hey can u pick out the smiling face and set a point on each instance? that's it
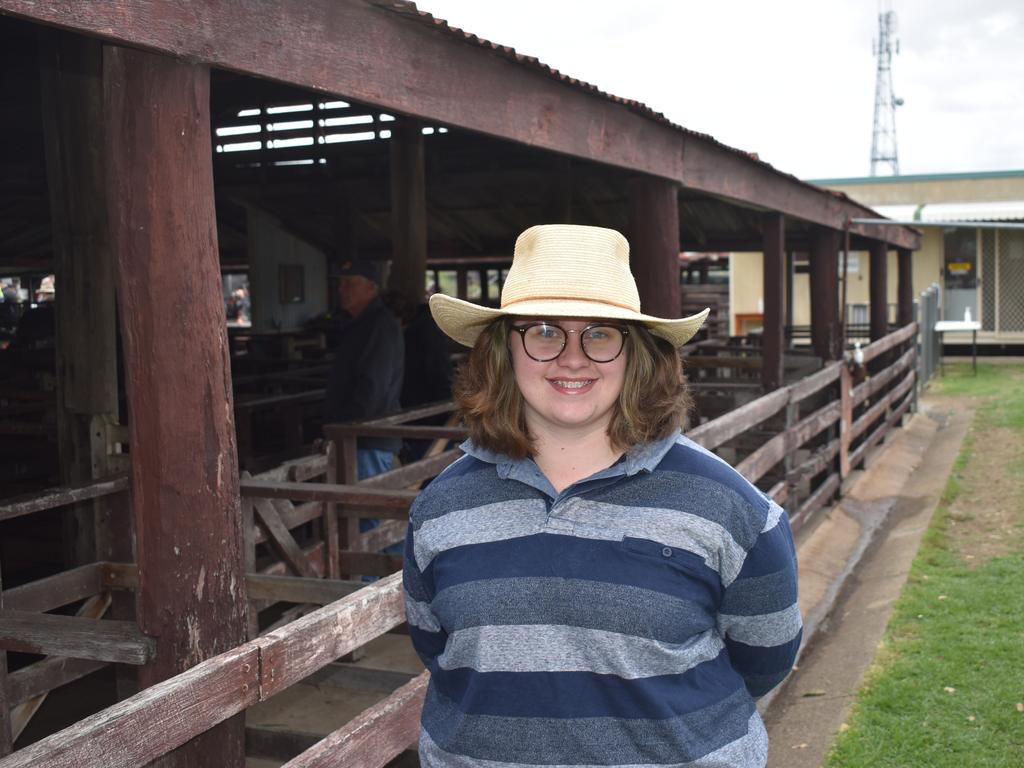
(571, 392)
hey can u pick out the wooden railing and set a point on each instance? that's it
(797, 443)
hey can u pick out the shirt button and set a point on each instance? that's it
(667, 551)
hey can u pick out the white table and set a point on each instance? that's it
(942, 326)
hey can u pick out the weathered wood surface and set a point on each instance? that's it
(772, 452)
(61, 496)
(714, 433)
(881, 379)
(384, 535)
(155, 721)
(823, 264)
(819, 498)
(191, 594)
(6, 735)
(293, 589)
(894, 339)
(414, 414)
(280, 538)
(878, 282)
(904, 390)
(408, 209)
(311, 642)
(654, 243)
(374, 737)
(808, 385)
(387, 56)
(904, 287)
(46, 674)
(332, 531)
(56, 591)
(414, 473)
(773, 228)
(818, 462)
(845, 419)
(872, 414)
(80, 638)
(387, 500)
(292, 515)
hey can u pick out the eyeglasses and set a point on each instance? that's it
(545, 341)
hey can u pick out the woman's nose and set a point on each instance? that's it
(572, 355)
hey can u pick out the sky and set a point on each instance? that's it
(792, 80)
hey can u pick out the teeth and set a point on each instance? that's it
(573, 384)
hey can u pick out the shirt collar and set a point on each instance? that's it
(639, 458)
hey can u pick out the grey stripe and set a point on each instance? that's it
(587, 740)
(682, 530)
(765, 630)
(749, 751)
(775, 513)
(554, 648)
(420, 615)
(490, 522)
(574, 602)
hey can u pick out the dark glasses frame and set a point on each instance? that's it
(522, 329)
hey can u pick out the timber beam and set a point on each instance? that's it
(75, 637)
(391, 56)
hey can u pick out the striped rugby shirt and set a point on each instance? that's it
(631, 619)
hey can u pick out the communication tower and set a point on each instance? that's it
(883, 137)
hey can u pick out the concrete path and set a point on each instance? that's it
(853, 566)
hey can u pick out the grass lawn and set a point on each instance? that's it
(947, 684)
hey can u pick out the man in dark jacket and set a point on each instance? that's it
(366, 377)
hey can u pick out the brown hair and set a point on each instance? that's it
(652, 404)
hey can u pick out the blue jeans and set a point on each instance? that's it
(374, 462)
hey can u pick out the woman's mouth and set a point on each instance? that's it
(572, 386)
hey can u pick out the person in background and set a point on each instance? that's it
(428, 366)
(586, 585)
(365, 379)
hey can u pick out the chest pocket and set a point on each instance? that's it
(676, 570)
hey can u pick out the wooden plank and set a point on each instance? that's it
(872, 414)
(725, 428)
(21, 715)
(314, 553)
(414, 473)
(6, 732)
(845, 419)
(56, 591)
(293, 516)
(156, 720)
(45, 675)
(771, 453)
(879, 381)
(280, 538)
(61, 496)
(184, 464)
(876, 436)
(814, 383)
(875, 348)
(384, 535)
(819, 498)
(291, 654)
(420, 412)
(332, 532)
(773, 228)
(80, 638)
(294, 589)
(375, 736)
(385, 499)
(818, 462)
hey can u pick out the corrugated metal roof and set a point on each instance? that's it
(409, 10)
(998, 210)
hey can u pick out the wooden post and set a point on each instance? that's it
(408, 210)
(845, 419)
(823, 260)
(6, 738)
(878, 290)
(191, 585)
(654, 244)
(905, 287)
(790, 279)
(71, 74)
(774, 235)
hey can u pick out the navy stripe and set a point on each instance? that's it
(585, 694)
(428, 645)
(471, 483)
(590, 741)
(690, 461)
(566, 602)
(760, 594)
(694, 495)
(759, 666)
(633, 562)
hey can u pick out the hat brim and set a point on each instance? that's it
(463, 321)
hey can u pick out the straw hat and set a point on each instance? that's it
(563, 270)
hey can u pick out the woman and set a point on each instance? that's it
(587, 586)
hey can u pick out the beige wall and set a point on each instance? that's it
(933, 191)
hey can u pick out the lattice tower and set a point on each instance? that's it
(883, 137)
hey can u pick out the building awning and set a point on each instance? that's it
(998, 210)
